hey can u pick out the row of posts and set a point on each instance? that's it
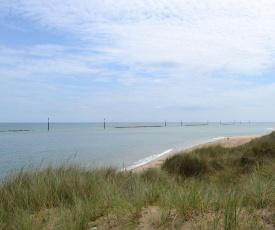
(180, 123)
(104, 124)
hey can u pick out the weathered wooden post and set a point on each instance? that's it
(104, 123)
(165, 122)
(48, 123)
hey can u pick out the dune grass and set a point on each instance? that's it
(209, 188)
(215, 160)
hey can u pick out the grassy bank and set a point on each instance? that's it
(209, 188)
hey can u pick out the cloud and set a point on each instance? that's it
(142, 54)
(229, 36)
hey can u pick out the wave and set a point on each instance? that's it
(147, 160)
(218, 138)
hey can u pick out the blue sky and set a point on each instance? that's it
(137, 60)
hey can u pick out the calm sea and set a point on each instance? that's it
(92, 145)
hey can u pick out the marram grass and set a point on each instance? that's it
(210, 188)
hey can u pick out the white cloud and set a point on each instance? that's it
(209, 35)
(184, 54)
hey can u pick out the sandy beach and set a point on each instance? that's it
(226, 142)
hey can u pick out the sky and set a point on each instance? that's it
(137, 60)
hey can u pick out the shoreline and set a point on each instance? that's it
(226, 142)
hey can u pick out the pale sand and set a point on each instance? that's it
(226, 142)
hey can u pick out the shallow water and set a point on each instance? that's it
(92, 145)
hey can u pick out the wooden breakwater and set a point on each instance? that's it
(138, 126)
(16, 130)
(195, 124)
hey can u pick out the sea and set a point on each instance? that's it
(121, 145)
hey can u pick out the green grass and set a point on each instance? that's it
(217, 160)
(209, 188)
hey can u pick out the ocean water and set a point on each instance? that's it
(91, 145)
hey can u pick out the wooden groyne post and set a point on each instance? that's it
(48, 123)
(104, 123)
(165, 123)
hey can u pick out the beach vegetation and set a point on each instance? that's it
(208, 188)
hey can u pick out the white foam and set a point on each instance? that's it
(147, 160)
(273, 129)
(218, 138)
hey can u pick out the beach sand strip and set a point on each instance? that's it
(227, 142)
